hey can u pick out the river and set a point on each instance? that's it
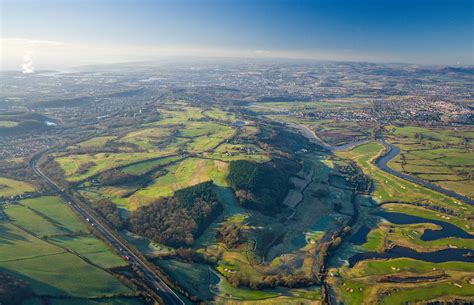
(441, 256)
(392, 153)
(382, 163)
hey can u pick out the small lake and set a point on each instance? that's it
(448, 230)
(447, 255)
(360, 237)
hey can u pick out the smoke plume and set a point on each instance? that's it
(27, 66)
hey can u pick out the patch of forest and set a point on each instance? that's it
(262, 186)
(12, 290)
(176, 221)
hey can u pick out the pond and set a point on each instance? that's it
(448, 230)
(441, 256)
(360, 237)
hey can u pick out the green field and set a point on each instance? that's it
(391, 188)
(91, 248)
(147, 166)
(220, 115)
(49, 269)
(57, 212)
(440, 155)
(178, 130)
(8, 124)
(188, 172)
(10, 187)
(45, 244)
(32, 221)
(391, 266)
(96, 142)
(355, 286)
(429, 292)
(101, 162)
(145, 246)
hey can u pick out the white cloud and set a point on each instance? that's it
(31, 42)
(49, 54)
(262, 52)
(27, 66)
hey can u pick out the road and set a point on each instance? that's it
(166, 293)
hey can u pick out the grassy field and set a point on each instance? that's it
(47, 268)
(145, 246)
(8, 124)
(228, 152)
(57, 212)
(184, 129)
(71, 164)
(442, 156)
(147, 166)
(429, 291)
(195, 278)
(220, 115)
(188, 172)
(32, 221)
(97, 142)
(398, 265)
(391, 188)
(356, 285)
(33, 247)
(91, 248)
(10, 187)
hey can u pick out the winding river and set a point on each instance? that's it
(441, 256)
(392, 153)
(448, 230)
(382, 163)
(312, 136)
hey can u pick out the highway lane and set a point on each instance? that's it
(166, 293)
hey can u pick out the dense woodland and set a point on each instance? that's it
(261, 186)
(286, 141)
(116, 177)
(176, 221)
(230, 234)
(109, 211)
(13, 291)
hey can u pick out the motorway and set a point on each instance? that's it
(166, 293)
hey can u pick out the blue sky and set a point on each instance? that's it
(418, 31)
